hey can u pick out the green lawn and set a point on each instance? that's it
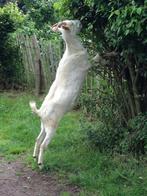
(69, 155)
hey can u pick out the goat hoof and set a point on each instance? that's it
(35, 158)
(40, 165)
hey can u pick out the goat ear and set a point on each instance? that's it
(54, 25)
(65, 27)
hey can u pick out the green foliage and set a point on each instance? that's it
(118, 26)
(41, 12)
(105, 129)
(112, 23)
(10, 70)
(14, 13)
(39, 16)
(126, 29)
(10, 19)
(136, 137)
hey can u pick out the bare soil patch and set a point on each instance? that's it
(18, 180)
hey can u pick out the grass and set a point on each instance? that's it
(68, 155)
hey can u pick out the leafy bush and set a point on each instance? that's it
(10, 68)
(136, 137)
(100, 136)
(117, 138)
(104, 126)
(115, 26)
(39, 16)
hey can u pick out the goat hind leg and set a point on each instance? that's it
(39, 140)
(49, 134)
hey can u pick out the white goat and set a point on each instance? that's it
(61, 97)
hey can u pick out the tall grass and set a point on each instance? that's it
(69, 155)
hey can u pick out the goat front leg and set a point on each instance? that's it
(39, 140)
(49, 134)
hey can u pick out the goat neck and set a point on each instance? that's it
(73, 43)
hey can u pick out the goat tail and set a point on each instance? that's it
(33, 107)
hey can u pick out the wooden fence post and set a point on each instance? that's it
(39, 79)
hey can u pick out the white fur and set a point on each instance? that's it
(61, 97)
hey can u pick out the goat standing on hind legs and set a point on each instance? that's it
(61, 97)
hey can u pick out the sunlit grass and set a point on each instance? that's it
(69, 156)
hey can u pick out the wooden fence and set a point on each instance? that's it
(40, 60)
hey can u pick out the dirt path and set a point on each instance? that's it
(18, 180)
